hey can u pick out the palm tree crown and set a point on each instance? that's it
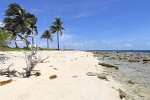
(47, 34)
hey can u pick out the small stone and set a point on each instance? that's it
(55, 68)
(102, 76)
(91, 74)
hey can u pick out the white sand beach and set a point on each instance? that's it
(72, 82)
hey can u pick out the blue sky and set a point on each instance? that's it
(92, 24)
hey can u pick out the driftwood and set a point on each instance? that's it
(8, 72)
(2, 59)
(42, 60)
(31, 61)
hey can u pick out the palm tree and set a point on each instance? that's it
(47, 34)
(18, 22)
(57, 28)
(32, 21)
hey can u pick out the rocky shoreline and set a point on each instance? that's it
(130, 69)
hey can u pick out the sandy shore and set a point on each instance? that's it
(72, 82)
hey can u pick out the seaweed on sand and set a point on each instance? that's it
(5, 82)
(53, 77)
(37, 74)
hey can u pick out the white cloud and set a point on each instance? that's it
(42, 44)
(90, 42)
(1, 24)
(78, 44)
(82, 45)
(66, 37)
(106, 42)
(81, 15)
(128, 45)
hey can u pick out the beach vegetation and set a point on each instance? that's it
(5, 38)
(47, 35)
(19, 22)
(57, 28)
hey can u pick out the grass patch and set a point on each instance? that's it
(24, 49)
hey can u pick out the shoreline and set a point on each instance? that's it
(71, 81)
(133, 71)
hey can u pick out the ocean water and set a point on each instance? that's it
(132, 67)
(121, 51)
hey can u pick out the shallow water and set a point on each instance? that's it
(132, 68)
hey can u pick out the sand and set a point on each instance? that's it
(70, 81)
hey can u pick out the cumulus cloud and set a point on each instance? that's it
(82, 45)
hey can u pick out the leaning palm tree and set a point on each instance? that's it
(17, 21)
(47, 34)
(57, 28)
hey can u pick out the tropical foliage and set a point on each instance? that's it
(56, 27)
(47, 34)
(21, 24)
(5, 38)
(18, 22)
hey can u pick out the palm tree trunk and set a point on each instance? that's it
(32, 37)
(58, 40)
(47, 44)
(27, 45)
(16, 42)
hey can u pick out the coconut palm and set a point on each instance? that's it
(57, 28)
(18, 22)
(47, 34)
(32, 21)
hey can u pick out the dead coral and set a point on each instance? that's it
(91, 74)
(102, 76)
(108, 65)
(122, 94)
